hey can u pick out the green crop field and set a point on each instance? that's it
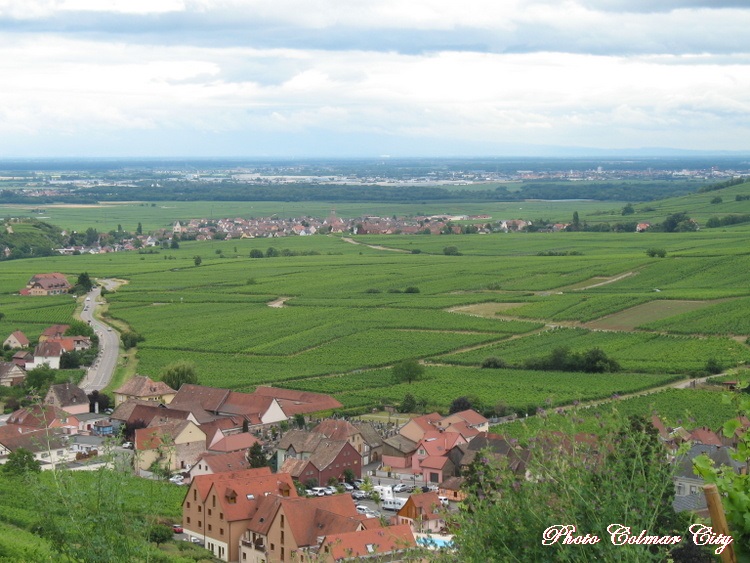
(350, 311)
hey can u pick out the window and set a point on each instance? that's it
(221, 516)
(210, 527)
(221, 531)
(282, 536)
(195, 494)
(209, 512)
(282, 553)
(200, 508)
(244, 555)
(214, 501)
(273, 547)
(282, 521)
(187, 519)
(200, 523)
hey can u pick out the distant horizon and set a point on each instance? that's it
(331, 79)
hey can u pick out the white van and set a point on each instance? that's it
(385, 492)
(396, 503)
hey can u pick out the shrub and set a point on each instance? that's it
(372, 290)
(411, 289)
(656, 252)
(451, 251)
(493, 362)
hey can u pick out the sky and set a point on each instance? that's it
(353, 78)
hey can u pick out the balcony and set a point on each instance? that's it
(257, 545)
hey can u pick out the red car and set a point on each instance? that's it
(177, 528)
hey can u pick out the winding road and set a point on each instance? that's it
(100, 373)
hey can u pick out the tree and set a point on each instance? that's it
(409, 404)
(21, 462)
(716, 200)
(408, 371)
(160, 533)
(460, 404)
(139, 229)
(576, 224)
(197, 260)
(175, 244)
(272, 252)
(97, 397)
(178, 373)
(131, 339)
(451, 251)
(256, 253)
(628, 209)
(84, 282)
(39, 379)
(299, 421)
(256, 457)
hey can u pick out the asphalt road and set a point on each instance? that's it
(100, 373)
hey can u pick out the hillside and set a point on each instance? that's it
(28, 238)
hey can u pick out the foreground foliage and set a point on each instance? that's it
(622, 477)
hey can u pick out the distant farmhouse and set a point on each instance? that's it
(47, 284)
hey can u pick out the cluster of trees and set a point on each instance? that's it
(274, 253)
(714, 222)
(594, 360)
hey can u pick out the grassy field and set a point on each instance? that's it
(347, 315)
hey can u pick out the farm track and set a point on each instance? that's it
(374, 246)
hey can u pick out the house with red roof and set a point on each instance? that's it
(17, 339)
(55, 331)
(144, 388)
(219, 507)
(329, 460)
(173, 445)
(415, 429)
(11, 374)
(211, 463)
(383, 544)
(292, 529)
(48, 353)
(423, 513)
(431, 458)
(70, 398)
(47, 284)
(465, 419)
(39, 416)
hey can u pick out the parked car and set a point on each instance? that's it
(196, 540)
(402, 488)
(128, 445)
(358, 483)
(177, 528)
(359, 495)
(444, 501)
(347, 486)
(362, 509)
(330, 490)
(319, 491)
(372, 514)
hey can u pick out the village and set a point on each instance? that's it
(275, 475)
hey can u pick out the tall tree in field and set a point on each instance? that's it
(139, 229)
(177, 373)
(408, 371)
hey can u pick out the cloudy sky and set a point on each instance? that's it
(371, 77)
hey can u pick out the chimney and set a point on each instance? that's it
(96, 407)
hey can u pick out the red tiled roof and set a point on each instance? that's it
(142, 386)
(368, 543)
(20, 337)
(234, 442)
(55, 330)
(426, 504)
(471, 417)
(48, 350)
(248, 487)
(37, 416)
(224, 462)
(298, 402)
(336, 429)
(433, 462)
(210, 398)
